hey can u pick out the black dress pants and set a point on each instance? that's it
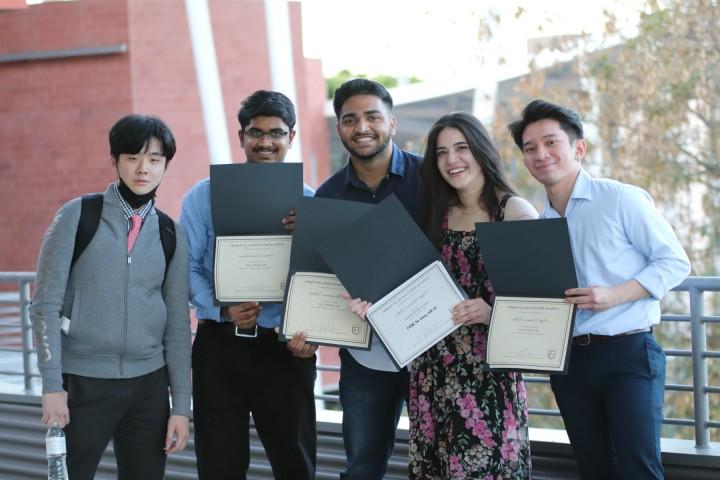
(236, 376)
(133, 412)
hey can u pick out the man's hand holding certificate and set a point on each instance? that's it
(252, 248)
(531, 324)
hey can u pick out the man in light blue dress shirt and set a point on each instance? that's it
(627, 258)
(236, 375)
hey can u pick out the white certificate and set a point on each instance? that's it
(251, 268)
(314, 305)
(416, 315)
(529, 334)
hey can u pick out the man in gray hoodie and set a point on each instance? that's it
(112, 328)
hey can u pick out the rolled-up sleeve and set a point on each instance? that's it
(667, 263)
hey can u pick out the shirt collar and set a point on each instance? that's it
(582, 190)
(398, 165)
(583, 186)
(127, 209)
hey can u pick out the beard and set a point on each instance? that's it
(368, 154)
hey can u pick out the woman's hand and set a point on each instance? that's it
(471, 311)
(358, 306)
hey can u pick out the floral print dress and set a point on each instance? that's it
(465, 421)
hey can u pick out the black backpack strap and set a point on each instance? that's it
(167, 236)
(90, 210)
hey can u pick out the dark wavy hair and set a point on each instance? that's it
(437, 195)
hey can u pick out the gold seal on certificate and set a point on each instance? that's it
(314, 305)
(416, 315)
(251, 268)
(529, 334)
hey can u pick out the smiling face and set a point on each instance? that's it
(549, 154)
(142, 171)
(266, 139)
(365, 126)
(456, 163)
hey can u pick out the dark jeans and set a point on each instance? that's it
(133, 412)
(235, 376)
(611, 401)
(372, 401)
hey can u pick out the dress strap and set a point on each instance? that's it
(501, 207)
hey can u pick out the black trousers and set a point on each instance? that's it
(133, 412)
(235, 376)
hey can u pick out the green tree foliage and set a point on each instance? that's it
(658, 116)
(651, 102)
(344, 75)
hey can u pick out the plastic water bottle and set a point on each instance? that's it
(56, 450)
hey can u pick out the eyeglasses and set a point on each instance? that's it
(275, 133)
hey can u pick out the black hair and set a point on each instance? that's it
(132, 133)
(537, 110)
(265, 103)
(360, 86)
(437, 196)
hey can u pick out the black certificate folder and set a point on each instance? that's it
(385, 258)
(313, 300)
(379, 251)
(253, 198)
(252, 247)
(530, 265)
(316, 220)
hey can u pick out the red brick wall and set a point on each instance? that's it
(12, 4)
(163, 83)
(55, 114)
(242, 55)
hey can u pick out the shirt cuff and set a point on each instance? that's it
(655, 286)
(208, 313)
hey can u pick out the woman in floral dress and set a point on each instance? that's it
(465, 421)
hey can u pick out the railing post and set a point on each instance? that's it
(26, 330)
(700, 373)
(318, 390)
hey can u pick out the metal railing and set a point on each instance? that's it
(696, 287)
(20, 298)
